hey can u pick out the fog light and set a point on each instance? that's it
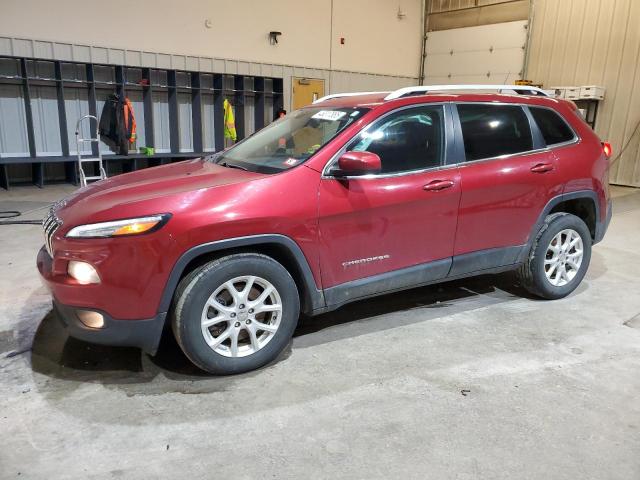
(83, 272)
(91, 319)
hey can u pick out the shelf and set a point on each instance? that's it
(105, 157)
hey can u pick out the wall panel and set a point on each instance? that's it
(161, 121)
(448, 14)
(595, 42)
(310, 33)
(184, 121)
(13, 123)
(345, 80)
(76, 106)
(46, 126)
(208, 123)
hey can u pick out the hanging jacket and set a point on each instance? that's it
(229, 121)
(129, 121)
(113, 131)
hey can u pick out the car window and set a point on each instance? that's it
(494, 130)
(411, 139)
(553, 128)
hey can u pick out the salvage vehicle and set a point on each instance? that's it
(354, 196)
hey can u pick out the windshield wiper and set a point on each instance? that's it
(231, 165)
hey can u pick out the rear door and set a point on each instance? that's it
(507, 177)
(560, 136)
(402, 217)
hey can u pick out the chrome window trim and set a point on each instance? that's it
(528, 152)
(518, 154)
(503, 157)
(371, 176)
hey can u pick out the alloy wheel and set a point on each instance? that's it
(241, 316)
(563, 257)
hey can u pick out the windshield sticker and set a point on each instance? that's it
(329, 115)
(290, 162)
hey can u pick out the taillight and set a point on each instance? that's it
(606, 148)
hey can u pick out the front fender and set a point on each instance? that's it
(313, 296)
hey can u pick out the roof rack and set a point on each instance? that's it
(406, 91)
(351, 94)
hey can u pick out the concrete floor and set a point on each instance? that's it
(468, 380)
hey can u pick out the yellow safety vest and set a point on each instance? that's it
(229, 121)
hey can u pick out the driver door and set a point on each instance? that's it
(396, 228)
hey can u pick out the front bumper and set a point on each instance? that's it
(71, 301)
(144, 334)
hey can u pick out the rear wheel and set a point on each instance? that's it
(559, 257)
(236, 313)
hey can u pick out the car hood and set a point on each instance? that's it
(126, 192)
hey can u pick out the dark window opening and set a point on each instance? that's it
(494, 130)
(553, 128)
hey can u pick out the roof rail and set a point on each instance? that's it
(403, 92)
(351, 94)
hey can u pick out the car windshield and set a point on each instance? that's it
(289, 141)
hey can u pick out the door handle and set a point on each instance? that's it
(438, 185)
(542, 168)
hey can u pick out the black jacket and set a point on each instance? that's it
(112, 126)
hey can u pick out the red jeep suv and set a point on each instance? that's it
(354, 196)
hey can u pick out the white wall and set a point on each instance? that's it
(376, 41)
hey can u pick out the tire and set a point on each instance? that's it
(233, 315)
(538, 274)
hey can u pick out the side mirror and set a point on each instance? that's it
(357, 163)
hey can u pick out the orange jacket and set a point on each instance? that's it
(129, 121)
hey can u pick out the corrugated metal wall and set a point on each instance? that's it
(448, 14)
(449, 5)
(595, 42)
(336, 81)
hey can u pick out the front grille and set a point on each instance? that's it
(50, 224)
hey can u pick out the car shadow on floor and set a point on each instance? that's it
(57, 355)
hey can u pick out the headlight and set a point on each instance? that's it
(120, 228)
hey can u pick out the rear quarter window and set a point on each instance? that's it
(553, 128)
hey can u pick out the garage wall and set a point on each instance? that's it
(448, 14)
(451, 5)
(239, 30)
(595, 42)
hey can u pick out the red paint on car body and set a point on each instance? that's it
(399, 221)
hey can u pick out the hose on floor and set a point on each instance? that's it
(9, 214)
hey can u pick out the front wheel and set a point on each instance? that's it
(236, 313)
(559, 257)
